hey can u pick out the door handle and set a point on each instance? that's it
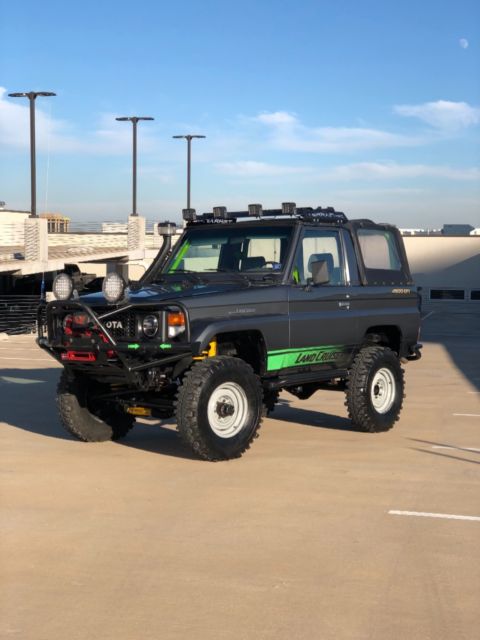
(344, 305)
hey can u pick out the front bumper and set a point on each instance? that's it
(98, 351)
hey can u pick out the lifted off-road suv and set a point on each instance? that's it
(245, 304)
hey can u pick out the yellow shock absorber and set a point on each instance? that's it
(212, 348)
(210, 352)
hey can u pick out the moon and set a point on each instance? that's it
(463, 42)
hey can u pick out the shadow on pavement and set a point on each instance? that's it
(158, 439)
(445, 455)
(450, 447)
(28, 403)
(311, 418)
(444, 444)
(459, 333)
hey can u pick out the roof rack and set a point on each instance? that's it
(288, 209)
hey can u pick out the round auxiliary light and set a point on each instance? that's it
(113, 287)
(62, 286)
(150, 326)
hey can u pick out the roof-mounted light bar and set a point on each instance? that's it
(255, 210)
(319, 214)
(289, 208)
(220, 213)
(189, 215)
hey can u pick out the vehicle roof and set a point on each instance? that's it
(282, 221)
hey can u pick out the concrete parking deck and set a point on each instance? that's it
(317, 532)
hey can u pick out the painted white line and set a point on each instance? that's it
(10, 380)
(473, 391)
(467, 415)
(444, 446)
(428, 315)
(423, 514)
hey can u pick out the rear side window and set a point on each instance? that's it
(382, 257)
(379, 249)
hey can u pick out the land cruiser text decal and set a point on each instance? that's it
(285, 358)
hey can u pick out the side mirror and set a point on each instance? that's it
(320, 273)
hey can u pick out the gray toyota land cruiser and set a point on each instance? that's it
(244, 305)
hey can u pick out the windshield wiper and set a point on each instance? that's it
(235, 274)
(191, 275)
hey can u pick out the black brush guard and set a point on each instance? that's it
(129, 358)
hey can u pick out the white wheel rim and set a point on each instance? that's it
(382, 390)
(227, 410)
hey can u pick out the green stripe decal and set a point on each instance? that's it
(285, 358)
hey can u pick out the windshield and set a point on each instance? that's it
(232, 249)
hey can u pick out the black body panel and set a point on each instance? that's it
(290, 330)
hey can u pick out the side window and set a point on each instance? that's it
(379, 249)
(382, 257)
(319, 244)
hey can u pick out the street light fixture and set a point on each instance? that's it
(32, 96)
(134, 120)
(189, 137)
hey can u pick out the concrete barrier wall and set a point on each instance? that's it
(12, 234)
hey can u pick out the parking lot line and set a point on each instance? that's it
(467, 415)
(424, 514)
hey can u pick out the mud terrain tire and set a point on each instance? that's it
(107, 422)
(219, 407)
(375, 390)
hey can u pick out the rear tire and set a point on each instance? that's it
(375, 390)
(83, 420)
(219, 407)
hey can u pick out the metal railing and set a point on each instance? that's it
(18, 314)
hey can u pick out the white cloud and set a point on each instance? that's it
(354, 172)
(394, 171)
(288, 133)
(463, 42)
(59, 136)
(253, 169)
(443, 114)
(277, 118)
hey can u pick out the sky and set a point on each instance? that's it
(372, 107)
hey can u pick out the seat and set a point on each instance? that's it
(253, 263)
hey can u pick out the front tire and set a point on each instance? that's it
(375, 390)
(219, 407)
(82, 418)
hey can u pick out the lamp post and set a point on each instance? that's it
(134, 120)
(32, 96)
(189, 139)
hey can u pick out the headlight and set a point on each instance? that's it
(62, 286)
(175, 323)
(150, 326)
(113, 287)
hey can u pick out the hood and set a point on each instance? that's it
(167, 291)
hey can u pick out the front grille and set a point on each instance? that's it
(119, 325)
